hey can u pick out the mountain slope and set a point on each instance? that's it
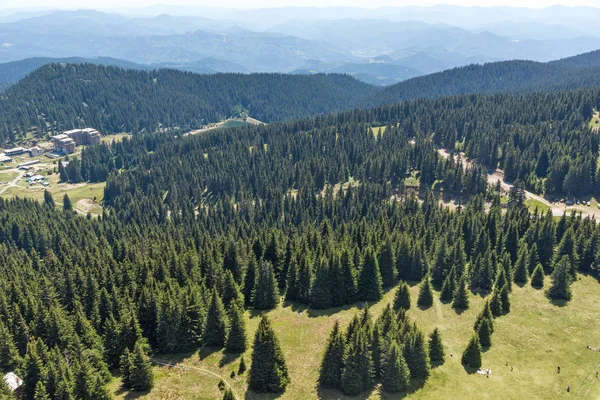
(500, 77)
(61, 96)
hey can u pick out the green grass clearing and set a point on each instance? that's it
(378, 131)
(532, 204)
(117, 137)
(534, 338)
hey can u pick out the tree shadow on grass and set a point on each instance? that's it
(262, 396)
(206, 352)
(469, 370)
(559, 302)
(130, 395)
(331, 394)
(423, 307)
(459, 311)
(436, 364)
(228, 359)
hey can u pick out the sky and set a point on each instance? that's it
(104, 4)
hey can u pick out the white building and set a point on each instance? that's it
(13, 381)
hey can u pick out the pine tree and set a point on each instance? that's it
(67, 206)
(417, 356)
(436, 348)
(425, 299)
(504, 298)
(236, 338)
(321, 291)
(40, 391)
(486, 313)
(460, 300)
(402, 298)
(561, 280)
(387, 265)
(266, 293)
(396, 375)
(484, 333)
(242, 367)
(231, 292)
(496, 303)
(125, 367)
(330, 373)
(141, 377)
(448, 288)
(537, 278)
(268, 371)
(215, 331)
(34, 370)
(521, 272)
(369, 282)
(228, 395)
(250, 282)
(9, 354)
(348, 278)
(62, 172)
(472, 354)
(358, 365)
(48, 199)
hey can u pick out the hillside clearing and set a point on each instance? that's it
(534, 338)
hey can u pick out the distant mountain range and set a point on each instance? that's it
(380, 47)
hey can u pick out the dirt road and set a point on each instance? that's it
(557, 209)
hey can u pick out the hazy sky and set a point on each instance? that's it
(9, 4)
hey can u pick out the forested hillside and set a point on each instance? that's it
(196, 229)
(500, 77)
(58, 97)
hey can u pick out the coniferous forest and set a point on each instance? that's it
(314, 211)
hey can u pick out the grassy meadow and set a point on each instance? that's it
(534, 338)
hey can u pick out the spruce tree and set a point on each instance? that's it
(448, 288)
(369, 281)
(125, 367)
(504, 298)
(321, 291)
(425, 299)
(215, 331)
(460, 300)
(40, 391)
(9, 354)
(250, 282)
(496, 303)
(266, 293)
(242, 366)
(330, 373)
(537, 278)
(141, 376)
(67, 205)
(268, 371)
(387, 265)
(357, 376)
(472, 354)
(48, 199)
(396, 375)
(236, 338)
(560, 288)
(417, 355)
(231, 292)
(484, 333)
(34, 370)
(436, 348)
(228, 395)
(348, 278)
(402, 298)
(486, 313)
(521, 271)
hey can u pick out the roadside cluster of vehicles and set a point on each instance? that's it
(577, 202)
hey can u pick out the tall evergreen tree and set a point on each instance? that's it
(67, 205)
(236, 338)
(396, 375)
(215, 331)
(402, 297)
(332, 365)
(537, 278)
(266, 293)
(417, 356)
(387, 265)
(369, 282)
(357, 376)
(48, 199)
(141, 376)
(460, 300)
(268, 371)
(560, 288)
(436, 348)
(472, 354)
(484, 333)
(250, 282)
(321, 291)
(425, 299)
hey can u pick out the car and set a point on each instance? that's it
(588, 204)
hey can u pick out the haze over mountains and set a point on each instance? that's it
(381, 46)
